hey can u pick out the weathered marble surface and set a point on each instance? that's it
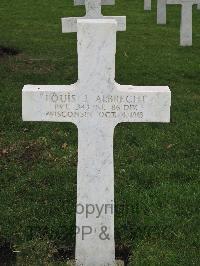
(186, 17)
(147, 4)
(70, 103)
(93, 11)
(96, 104)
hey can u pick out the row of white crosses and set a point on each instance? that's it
(147, 5)
(95, 104)
(186, 16)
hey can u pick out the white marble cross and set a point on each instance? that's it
(147, 4)
(95, 104)
(93, 11)
(186, 17)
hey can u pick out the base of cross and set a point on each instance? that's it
(117, 263)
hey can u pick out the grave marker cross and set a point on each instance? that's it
(93, 8)
(96, 104)
(186, 17)
(93, 11)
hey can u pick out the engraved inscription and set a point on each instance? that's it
(69, 105)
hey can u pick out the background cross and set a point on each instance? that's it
(186, 17)
(93, 8)
(93, 11)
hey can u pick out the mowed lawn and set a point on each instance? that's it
(157, 188)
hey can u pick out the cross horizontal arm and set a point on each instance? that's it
(103, 2)
(70, 24)
(69, 104)
(49, 103)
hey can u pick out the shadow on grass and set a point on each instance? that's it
(8, 51)
(7, 256)
(123, 253)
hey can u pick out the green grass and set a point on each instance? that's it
(157, 186)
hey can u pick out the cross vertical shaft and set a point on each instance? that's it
(161, 12)
(186, 24)
(96, 55)
(93, 8)
(95, 188)
(95, 178)
(147, 4)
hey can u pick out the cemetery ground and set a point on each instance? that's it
(157, 193)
